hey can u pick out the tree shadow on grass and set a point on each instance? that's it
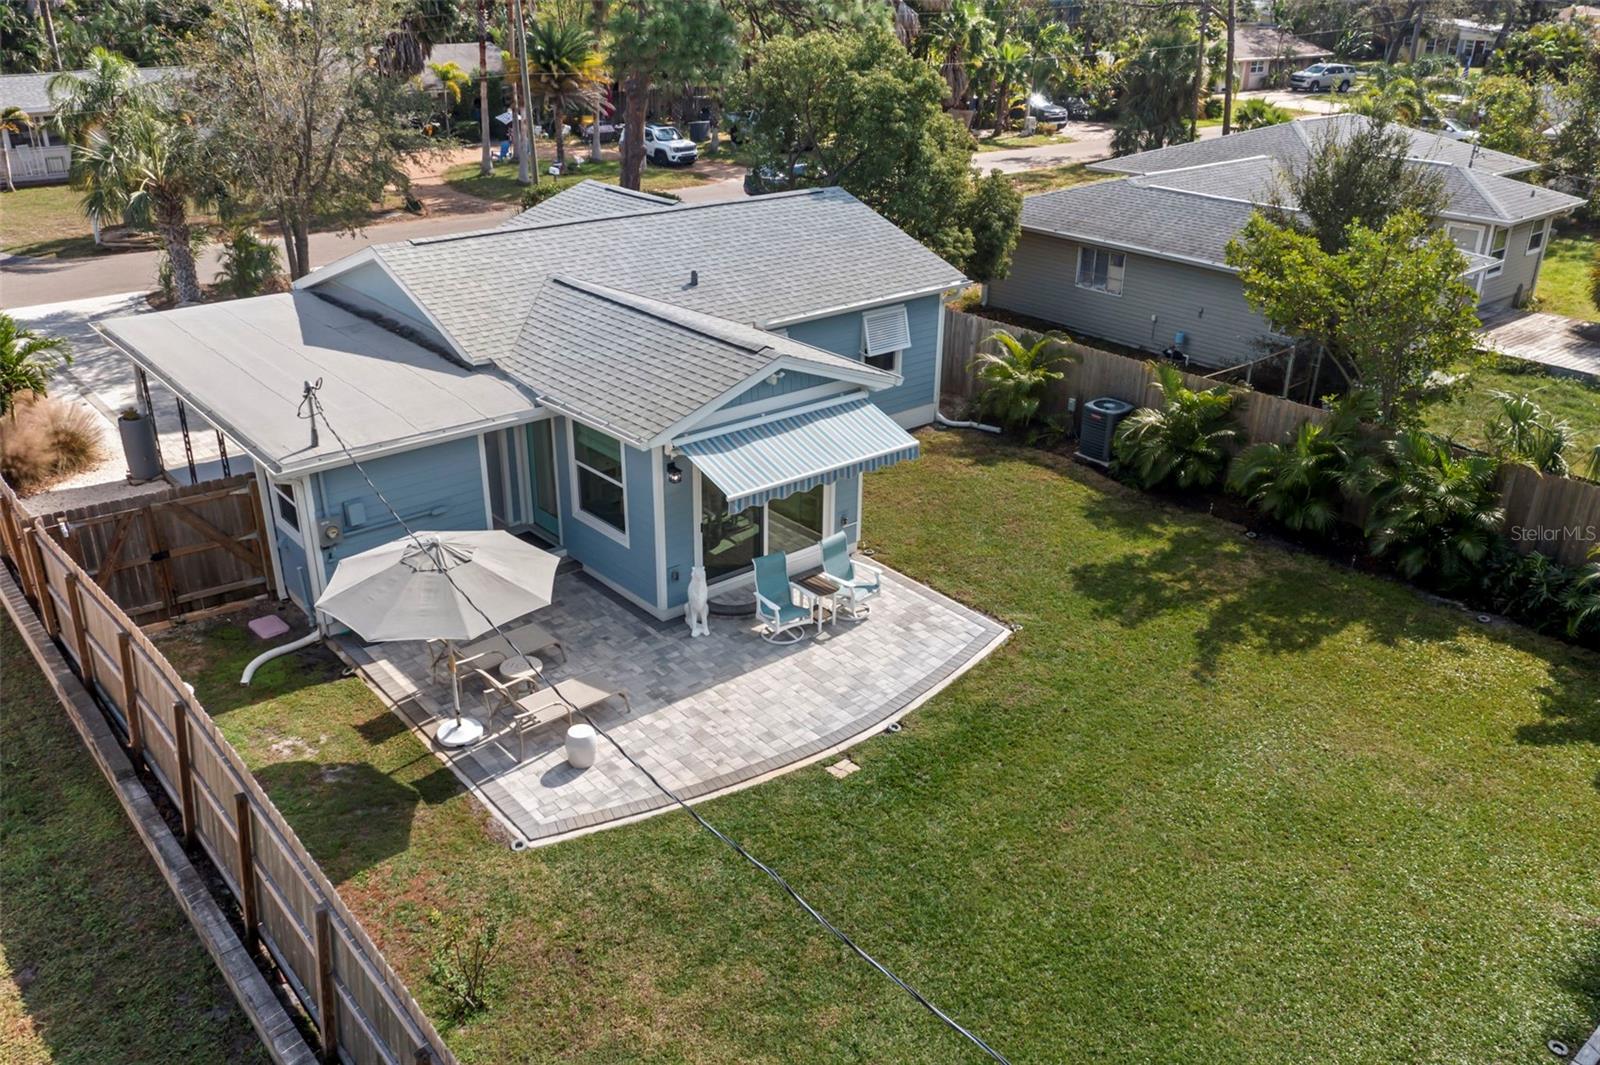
(350, 815)
(1246, 599)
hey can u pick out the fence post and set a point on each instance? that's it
(47, 605)
(327, 1001)
(180, 730)
(130, 692)
(424, 1056)
(243, 821)
(80, 631)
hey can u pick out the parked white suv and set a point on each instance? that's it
(665, 145)
(1320, 77)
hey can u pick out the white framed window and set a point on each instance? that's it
(285, 509)
(1101, 269)
(1537, 238)
(599, 480)
(1466, 238)
(1258, 66)
(885, 333)
(1497, 252)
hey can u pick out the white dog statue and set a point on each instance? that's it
(698, 609)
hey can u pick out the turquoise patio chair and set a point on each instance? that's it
(857, 581)
(784, 619)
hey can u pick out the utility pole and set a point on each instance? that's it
(1227, 80)
(1199, 73)
(486, 164)
(528, 159)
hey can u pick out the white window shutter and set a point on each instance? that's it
(885, 329)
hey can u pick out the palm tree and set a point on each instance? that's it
(1008, 66)
(1433, 512)
(959, 41)
(1157, 93)
(563, 71)
(454, 82)
(1301, 484)
(1016, 376)
(1256, 112)
(1521, 431)
(13, 121)
(146, 169)
(26, 362)
(86, 101)
(1185, 441)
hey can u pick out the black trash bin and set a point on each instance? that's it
(699, 130)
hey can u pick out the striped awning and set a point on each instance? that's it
(786, 455)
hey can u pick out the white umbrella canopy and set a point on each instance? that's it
(440, 589)
(441, 586)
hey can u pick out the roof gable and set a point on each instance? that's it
(641, 368)
(587, 199)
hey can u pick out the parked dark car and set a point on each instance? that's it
(1042, 109)
(1077, 108)
(760, 180)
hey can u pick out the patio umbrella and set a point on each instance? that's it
(451, 586)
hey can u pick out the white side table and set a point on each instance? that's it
(581, 746)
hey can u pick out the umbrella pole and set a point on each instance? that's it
(459, 731)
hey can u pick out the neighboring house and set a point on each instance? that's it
(1264, 55)
(1583, 13)
(40, 156)
(1140, 260)
(1468, 41)
(463, 54)
(645, 386)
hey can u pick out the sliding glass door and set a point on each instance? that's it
(730, 542)
(522, 479)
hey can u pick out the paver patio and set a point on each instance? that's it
(708, 714)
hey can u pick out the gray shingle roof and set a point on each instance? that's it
(31, 92)
(637, 366)
(1187, 201)
(1258, 40)
(587, 199)
(1289, 142)
(1157, 221)
(759, 260)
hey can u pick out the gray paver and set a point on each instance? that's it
(709, 713)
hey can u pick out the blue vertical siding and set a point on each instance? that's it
(841, 334)
(682, 525)
(439, 487)
(296, 567)
(631, 567)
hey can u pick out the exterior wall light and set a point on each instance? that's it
(674, 473)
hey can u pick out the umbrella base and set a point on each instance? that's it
(459, 732)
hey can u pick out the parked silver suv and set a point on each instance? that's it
(1320, 77)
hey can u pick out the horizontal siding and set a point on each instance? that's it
(1516, 280)
(841, 334)
(791, 381)
(435, 488)
(1159, 299)
(631, 566)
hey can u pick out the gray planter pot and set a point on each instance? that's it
(139, 447)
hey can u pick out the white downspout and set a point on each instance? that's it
(266, 656)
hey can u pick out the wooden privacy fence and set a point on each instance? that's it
(362, 1009)
(1557, 516)
(181, 551)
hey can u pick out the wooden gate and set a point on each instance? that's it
(184, 550)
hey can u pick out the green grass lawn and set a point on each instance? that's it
(1466, 414)
(97, 964)
(1564, 275)
(502, 186)
(1049, 178)
(45, 220)
(1214, 801)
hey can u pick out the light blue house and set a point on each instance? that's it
(644, 386)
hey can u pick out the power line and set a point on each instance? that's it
(314, 403)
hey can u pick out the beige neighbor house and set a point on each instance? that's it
(1264, 56)
(1468, 41)
(40, 155)
(1140, 260)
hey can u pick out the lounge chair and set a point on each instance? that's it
(544, 706)
(783, 617)
(857, 581)
(486, 652)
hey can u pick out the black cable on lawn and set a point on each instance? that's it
(316, 410)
